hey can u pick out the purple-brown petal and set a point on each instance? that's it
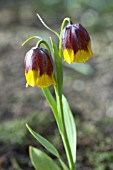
(39, 68)
(76, 44)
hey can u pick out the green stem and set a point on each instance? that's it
(52, 104)
(64, 135)
(62, 27)
(58, 91)
(67, 146)
(59, 98)
(31, 38)
(64, 22)
(45, 43)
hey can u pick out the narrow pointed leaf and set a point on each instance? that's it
(41, 161)
(44, 142)
(58, 63)
(47, 26)
(48, 146)
(70, 127)
(52, 104)
(59, 78)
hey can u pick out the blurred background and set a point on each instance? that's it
(88, 87)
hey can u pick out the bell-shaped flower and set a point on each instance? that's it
(76, 44)
(39, 68)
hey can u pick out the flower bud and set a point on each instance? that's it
(38, 68)
(76, 44)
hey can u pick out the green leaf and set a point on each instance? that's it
(41, 161)
(59, 80)
(52, 104)
(47, 26)
(44, 142)
(48, 146)
(58, 64)
(70, 127)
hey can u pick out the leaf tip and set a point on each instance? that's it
(30, 147)
(30, 150)
(39, 16)
(27, 125)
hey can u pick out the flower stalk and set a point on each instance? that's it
(62, 27)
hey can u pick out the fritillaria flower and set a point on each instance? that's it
(39, 68)
(76, 44)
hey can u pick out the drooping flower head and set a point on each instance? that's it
(38, 68)
(76, 44)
